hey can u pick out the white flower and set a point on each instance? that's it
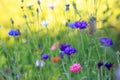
(45, 23)
(39, 63)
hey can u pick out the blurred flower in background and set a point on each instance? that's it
(45, 23)
(117, 73)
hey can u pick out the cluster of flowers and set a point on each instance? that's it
(78, 24)
(67, 49)
(14, 32)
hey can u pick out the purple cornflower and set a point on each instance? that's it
(81, 25)
(64, 46)
(100, 64)
(106, 42)
(77, 24)
(108, 65)
(69, 50)
(71, 25)
(45, 56)
(14, 32)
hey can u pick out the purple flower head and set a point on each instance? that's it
(106, 42)
(108, 65)
(81, 25)
(100, 64)
(78, 24)
(45, 56)
(14, 33)
(63, 46)
(71, 25)
(69, 50)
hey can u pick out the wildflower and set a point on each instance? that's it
(100, 64)
(71, 25)
(63, 46)
(108, 65)
(14, 32)
(54, 46)
(56, 59)
(81, 25)
(106, 42)
(117, 73)
(75, 67)
(45, 23)
(59, 78)
(51, 7)
(45, 56)
(18, 76)
(39, 45)
(69, 50)
(92, 23)
(39, 63)
(67, 7)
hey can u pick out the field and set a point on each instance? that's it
(60, 40)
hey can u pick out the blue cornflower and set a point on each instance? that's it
(69, 50)
(106, 42)
(14, 33)
(81, 25)
(71, 25)
(63, 46)
(45, 56)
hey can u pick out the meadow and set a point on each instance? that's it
(60, 40)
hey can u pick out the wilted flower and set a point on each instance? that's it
(45, 56)
(117, 73)
(39, 63)
(45, 23)
(54, 46)
(69, 50)
(100, 64)
(75, 67)
(67, 7)
(106, 42)
(108, 65)
(81, 25)
(14, 32)
(56, 59)
(63, 46)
